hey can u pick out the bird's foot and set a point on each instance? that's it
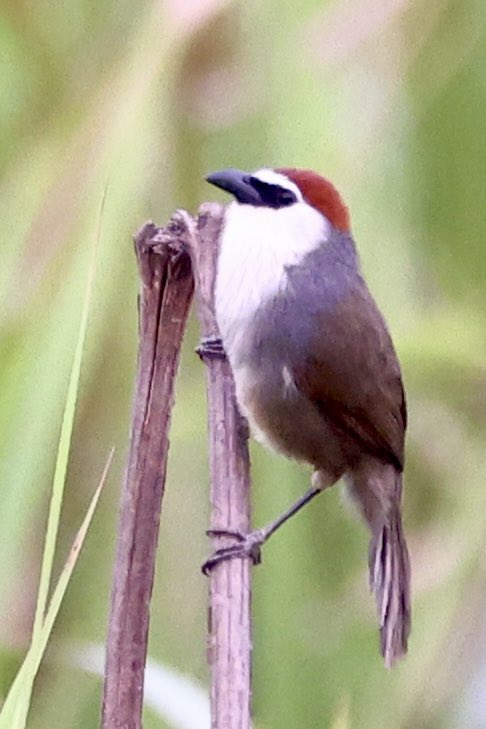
(247, 545)
(211, 348)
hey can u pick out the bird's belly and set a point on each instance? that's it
(283, 419)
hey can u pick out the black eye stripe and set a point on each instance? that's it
(273, 196)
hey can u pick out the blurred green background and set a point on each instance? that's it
(142, 99)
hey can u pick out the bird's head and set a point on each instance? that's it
(282, 188)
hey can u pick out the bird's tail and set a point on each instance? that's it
(390, 582)
(377, 491)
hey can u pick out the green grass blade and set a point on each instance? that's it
(16, 707)
(64, 446)
(341, 718)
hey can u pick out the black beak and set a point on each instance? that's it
(237, 183)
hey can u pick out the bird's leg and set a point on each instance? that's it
(211, 348)
(249, 545)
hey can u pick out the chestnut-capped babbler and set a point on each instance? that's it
(315, 369)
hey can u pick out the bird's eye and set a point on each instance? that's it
(286, 197)
(272, 196)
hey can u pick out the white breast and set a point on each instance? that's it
(257, 246)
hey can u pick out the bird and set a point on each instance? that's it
(315, 369)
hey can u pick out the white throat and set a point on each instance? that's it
(257, 246)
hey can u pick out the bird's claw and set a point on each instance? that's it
(248, 545)
(211, 348)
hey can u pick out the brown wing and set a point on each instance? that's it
(352, 374)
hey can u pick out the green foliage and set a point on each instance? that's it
(142, 99)
(15, 709)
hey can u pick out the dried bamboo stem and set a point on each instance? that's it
(229, 650)
(164, 300)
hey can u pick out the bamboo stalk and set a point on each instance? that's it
(164, 300)
(230, 643)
